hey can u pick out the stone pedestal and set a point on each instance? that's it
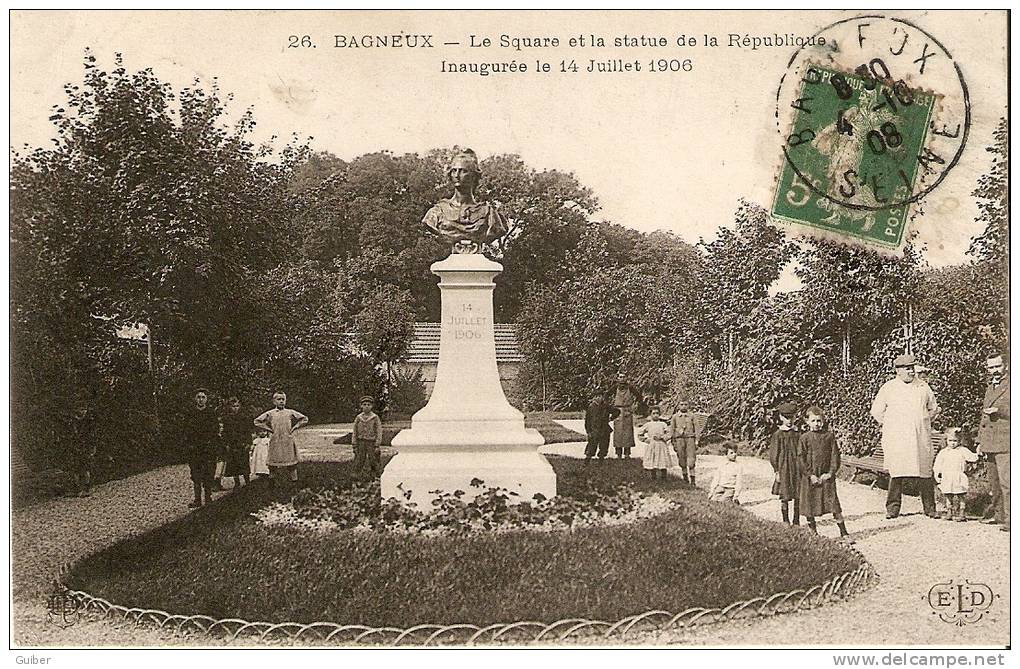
(468, 429)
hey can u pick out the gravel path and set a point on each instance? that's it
(911, 554)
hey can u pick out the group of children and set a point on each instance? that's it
(232, 445)
(681, 433)
(670, 445)
(270, 451)
(806, 464)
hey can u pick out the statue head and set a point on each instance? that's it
(463, 170)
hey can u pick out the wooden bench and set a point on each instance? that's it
(875, 463)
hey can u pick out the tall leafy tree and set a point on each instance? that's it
(149, 207)
(990, 249)
(740, 266)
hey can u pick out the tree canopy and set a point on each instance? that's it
(256, 267)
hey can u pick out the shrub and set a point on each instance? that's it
(407, 392)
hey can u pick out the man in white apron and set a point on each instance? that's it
(904, 408)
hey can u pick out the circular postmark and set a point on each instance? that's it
(873, 113)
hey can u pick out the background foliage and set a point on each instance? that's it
(258, 268)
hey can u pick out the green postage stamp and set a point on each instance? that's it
(853, 155)
(872, 114)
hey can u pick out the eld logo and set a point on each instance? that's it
(960, 603)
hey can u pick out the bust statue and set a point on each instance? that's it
(461, 219)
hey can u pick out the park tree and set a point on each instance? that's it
(854, 295)
(740, 266)
(385, 326)
(368, 211)
(547, 211)
(990, 249)
(149, 207)
(613, 310)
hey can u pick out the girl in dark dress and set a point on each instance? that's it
(236, 442)
(783, 456)
(819, 461)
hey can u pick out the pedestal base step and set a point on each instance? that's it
(524, 472)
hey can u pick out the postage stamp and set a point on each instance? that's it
(868, 129)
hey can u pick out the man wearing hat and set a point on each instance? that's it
(904, 408)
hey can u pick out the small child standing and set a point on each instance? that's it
(281, 423)
(819, 462)
(728, 480)
(951, 474)
(260, 454)
(659, 456)
(783, 456)
(367, 439)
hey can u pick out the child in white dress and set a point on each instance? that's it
(260, 454)
(951, 475)
(659, 455)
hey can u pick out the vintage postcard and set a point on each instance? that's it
(511, 329)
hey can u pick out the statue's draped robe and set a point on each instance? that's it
(480, 223)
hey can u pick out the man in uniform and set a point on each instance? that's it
(904, 409)
(685, 439)
(993, 437)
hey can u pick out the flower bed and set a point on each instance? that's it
(488, 509)
(222, 562)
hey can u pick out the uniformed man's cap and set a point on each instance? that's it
(367, 398)
(787, 409)
(905, 360)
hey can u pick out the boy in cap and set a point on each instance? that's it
(685, 439)
(367, 439)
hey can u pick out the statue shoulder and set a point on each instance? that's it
(438, 211)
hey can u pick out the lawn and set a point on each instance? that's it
(220, 562)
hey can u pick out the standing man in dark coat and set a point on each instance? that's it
(597, 418)
(201, 435)
(993, 437)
